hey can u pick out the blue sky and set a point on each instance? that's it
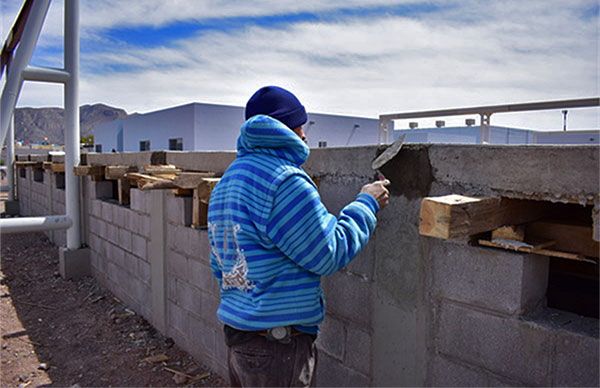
(348, 57)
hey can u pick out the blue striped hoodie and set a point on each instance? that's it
(271, 237)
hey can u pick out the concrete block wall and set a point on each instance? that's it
(410, 310)
(42, 199)
(118, 237)
(193, 294)
(479, 296)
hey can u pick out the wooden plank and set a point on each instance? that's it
(161, 169)
(168, 176)
(510, 232)
(539, 249)
(569, 237)
(206, 187)
(47, 165)
(191, 180)
(84, 170)
(118, 172)
(124, 188)
(57, 167)
(457, 216)
(156, 185)
(199, 211)
(37, 165)
(149, 182)
(200, 200)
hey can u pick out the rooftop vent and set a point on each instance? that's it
(413, 125)
(470, 122)
(440, 123)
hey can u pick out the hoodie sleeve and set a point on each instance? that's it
(302, 228)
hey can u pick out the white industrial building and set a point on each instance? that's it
(210, 127)
(498, 135)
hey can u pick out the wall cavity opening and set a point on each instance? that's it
(59, 179)
(38, 175)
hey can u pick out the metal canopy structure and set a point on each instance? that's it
(16, 55)
(485, 112)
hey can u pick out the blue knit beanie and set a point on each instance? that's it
(279, 104)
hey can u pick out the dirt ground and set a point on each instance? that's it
(74, 333)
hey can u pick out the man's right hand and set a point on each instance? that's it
(377, 189)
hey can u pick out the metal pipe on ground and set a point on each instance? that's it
(34, 224)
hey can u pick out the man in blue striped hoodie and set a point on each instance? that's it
(272, 240)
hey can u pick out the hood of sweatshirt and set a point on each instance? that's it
(262, 134)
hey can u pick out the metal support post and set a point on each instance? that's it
(484, 132)
(385, 126)
(71, 95)
(14, 80)
(10, 159)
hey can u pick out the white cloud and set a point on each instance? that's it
(477, 53)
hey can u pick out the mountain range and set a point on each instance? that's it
(38, 125)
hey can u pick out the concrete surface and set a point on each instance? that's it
(74, 264)
(409, 310)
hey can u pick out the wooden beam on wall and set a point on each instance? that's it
(118, 172)
(200, 202)
(457, 216)
(124, 188)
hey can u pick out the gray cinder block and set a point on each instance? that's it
(507, 282)
(200, 275)
(189, 298)
(143, 271)
(349, 297)
(179, 210)
(331, 373)
(448, 373)
(177, 265)
(107, 212)
(178, 319)
(197, 245)
(139, 246)
(506, 346)
(139, 201)
(125, 239)
(332, 338)
(358, 350)
(575, 360)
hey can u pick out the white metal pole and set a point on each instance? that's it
(14, 80)
(72, 152)
(10, 159)
(34, 224)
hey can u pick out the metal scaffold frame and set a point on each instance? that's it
(485, 113)
(22, 40)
